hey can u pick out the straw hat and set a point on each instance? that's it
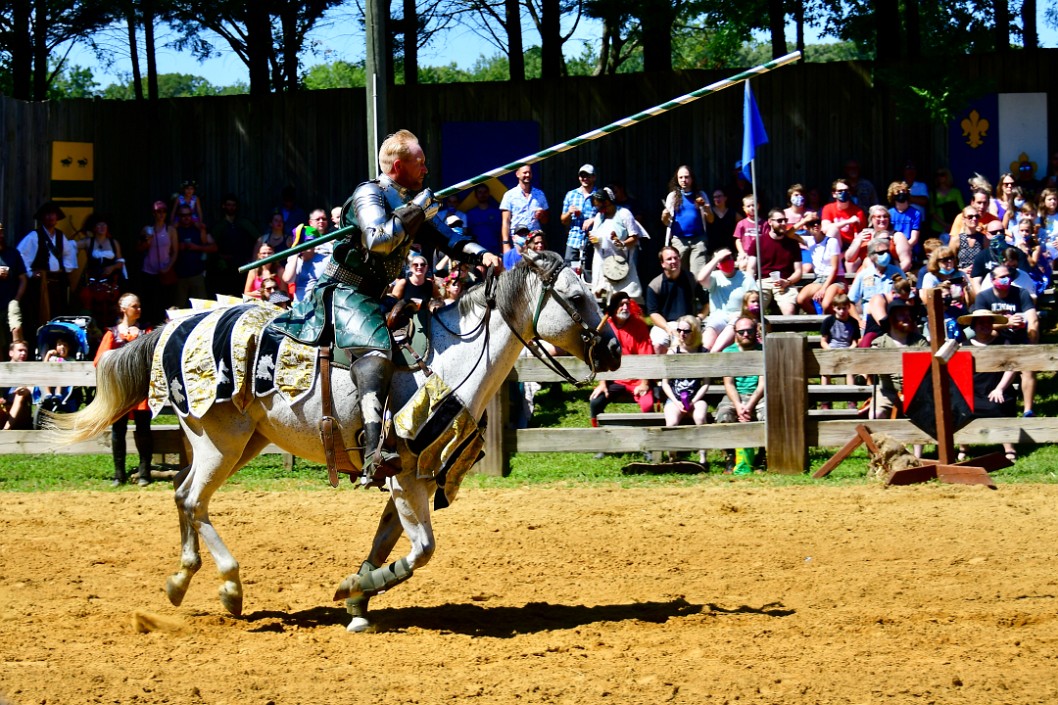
(969, 319)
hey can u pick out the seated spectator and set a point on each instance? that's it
(970, 241)
(780, 264)
(63, 400)
(903, 218)
(992, 398)
(726, 284)
(871, 290)
(903, 333)
(686, 397)
(1010, 257)
(843, 218)
(798, 216)
(1048, 216)
(1022, 326)
(16, 403)
(879, 226)
(744, 396)
(671, 294)
(824, 254)
(839, 330)
(634, 337)
(519, 241)
(256, 277)
(454, 286)
(957, 288)
(750, 308)
(303, 269)
(979, 200)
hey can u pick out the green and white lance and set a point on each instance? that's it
(562, 146)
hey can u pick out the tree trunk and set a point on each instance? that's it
(258, 47)
(799, 23)
(40, 50)
(777, 26)
(887, 21)
(21, 52)
(550, 39)
(913, 23)
(1002, 29)
(604, 50)
(134, 54)
(515, 53)
(1028, 22)
(411, 43)
(656, 22)
(148, 49)
(291, 48)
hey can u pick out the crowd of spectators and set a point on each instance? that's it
(727, 258)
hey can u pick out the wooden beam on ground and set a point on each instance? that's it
(963, 475)
(786, 399)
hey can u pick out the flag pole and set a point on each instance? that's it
(560, 147)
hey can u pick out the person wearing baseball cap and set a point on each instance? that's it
(578, 210)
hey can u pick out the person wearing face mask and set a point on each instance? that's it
(798, 214)
(880, 226)
(514, 255)
(903, 218)
(726, 284)
(1022, 325)
(872, 289)
(842, 218)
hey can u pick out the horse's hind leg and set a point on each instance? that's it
(190, 557)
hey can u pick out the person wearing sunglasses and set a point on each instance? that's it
(685, 398)
(743, 396)
(780, 264)
(972, 239)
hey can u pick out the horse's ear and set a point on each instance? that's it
(534, 258)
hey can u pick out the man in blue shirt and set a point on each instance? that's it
(577, 213)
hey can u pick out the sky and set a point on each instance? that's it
(338, 37)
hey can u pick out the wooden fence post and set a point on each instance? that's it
(786, 398)
(496, 462)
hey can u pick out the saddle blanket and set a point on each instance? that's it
(227, 354)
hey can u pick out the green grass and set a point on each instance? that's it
(557, 407)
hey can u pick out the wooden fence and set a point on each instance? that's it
(791, 364)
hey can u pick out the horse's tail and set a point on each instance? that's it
(122, 380)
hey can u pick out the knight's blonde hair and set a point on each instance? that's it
(394, 147)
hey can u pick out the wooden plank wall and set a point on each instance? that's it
(817, 116)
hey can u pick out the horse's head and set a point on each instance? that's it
(565, 314)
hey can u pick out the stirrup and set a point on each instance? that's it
(379, 467)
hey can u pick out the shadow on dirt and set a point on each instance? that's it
(503, 622)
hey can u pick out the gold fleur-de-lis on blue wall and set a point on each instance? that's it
(974, 128)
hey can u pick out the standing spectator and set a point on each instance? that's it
(293, 214)
(624, 200)
(687, 215)
(277, 237)
(743, 396)
(159, 246)
(686, 397)
(780, 264)
(947, 203)
(991, 397)
(634, 337)
(864, 194)
(842, 218)
(614, 235)
(722, 229)
(670, 295)
(824, 254)
(127, 330)
(194, 243)
(726, 284)
(1021, 325)
(13, 283)
(524, 205)
(904, 219)
(104, 272)
(450, 208)
(1002, 205)
(187, 197)
(16, 403)
(235, 236)
(578, 213)
(256, 277)
(484, 221)
(417, 286)
(918, 189)
(50, 259)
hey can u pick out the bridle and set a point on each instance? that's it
(548, 271)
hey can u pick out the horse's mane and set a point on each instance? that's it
(513, 288)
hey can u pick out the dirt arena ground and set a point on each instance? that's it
(717, 594)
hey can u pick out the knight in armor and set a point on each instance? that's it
(389, 215)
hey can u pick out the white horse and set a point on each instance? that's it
(471, 351)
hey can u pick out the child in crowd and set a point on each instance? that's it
(839, 330)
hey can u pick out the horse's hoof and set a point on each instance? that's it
(231, 597)
(175, 589)
(350, 587)
(360, 625)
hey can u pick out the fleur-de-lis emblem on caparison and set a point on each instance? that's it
(974, 128)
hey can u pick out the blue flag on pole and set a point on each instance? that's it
(753, 134)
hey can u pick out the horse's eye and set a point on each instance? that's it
(577, 299)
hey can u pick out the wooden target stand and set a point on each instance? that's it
(973, 471)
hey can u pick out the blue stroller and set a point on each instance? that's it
(69, 336)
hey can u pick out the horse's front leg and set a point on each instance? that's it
(408, 509)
